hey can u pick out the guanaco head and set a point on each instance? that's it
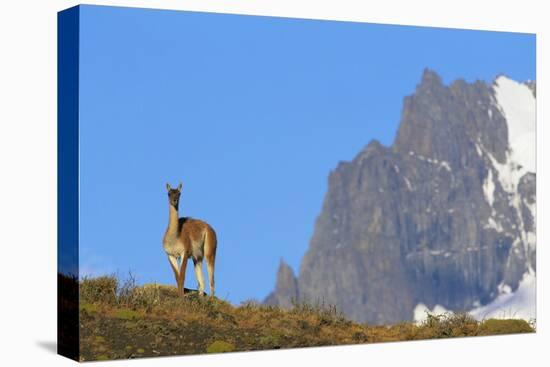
(174, 195)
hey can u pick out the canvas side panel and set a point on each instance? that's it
(67, 182)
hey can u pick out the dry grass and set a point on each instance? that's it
(136, 321)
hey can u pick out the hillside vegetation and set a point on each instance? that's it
(122, 320)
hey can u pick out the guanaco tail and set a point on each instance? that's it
(188, 238)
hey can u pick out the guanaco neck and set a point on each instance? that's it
(173, 219)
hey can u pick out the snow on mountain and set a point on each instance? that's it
(521, 304)
(518, 105)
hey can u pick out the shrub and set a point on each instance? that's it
(325, 313)
(99, 290)
(132, 296)
(250, 303)
(448, 325)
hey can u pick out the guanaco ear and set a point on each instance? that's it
(180, 186)
(168, 187)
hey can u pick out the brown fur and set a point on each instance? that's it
(195, 230)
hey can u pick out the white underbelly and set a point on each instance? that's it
(175, 248)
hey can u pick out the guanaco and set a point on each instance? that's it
(188, 238)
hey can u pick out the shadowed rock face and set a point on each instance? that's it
(426, 220)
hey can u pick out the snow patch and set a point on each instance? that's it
(494, 225)
(518, 105)
(445, 165)
(509, 173)
(421, 312)
(442, 164)
(489, 188)
(504, 289)
(531, 235)
(408, 183)
(532, 208)
(531, 240)
(519, 304)
(479, 151)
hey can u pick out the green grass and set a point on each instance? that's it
(220, 346)
(126, 314)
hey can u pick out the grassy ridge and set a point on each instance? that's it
(127, 321)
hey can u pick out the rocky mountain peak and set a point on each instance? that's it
(442, 122)
(430, 80)
(444, 216)
(286, 289)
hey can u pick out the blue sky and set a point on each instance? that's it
(251, 113)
